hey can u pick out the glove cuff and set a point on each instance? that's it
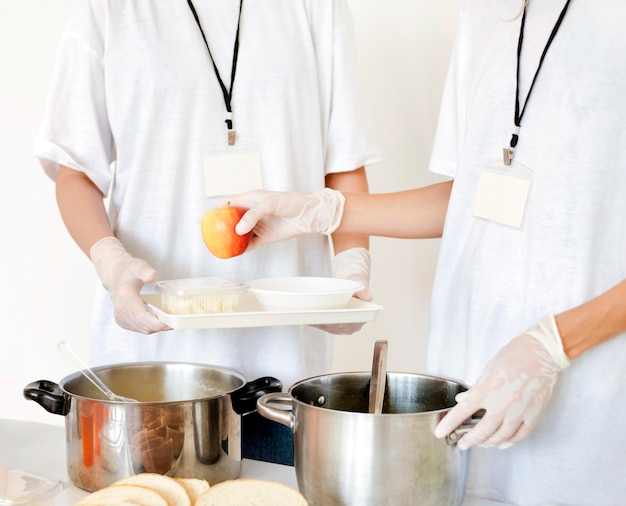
(353, 259)
(104, 247)
(354, 263)
(546, 331)
(104, 254)
(333, 203)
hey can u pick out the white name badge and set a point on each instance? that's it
(232, 173)
(502, 195)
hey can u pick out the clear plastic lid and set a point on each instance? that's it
(21, 487)
(200, 286)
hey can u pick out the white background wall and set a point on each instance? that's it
(46, 282)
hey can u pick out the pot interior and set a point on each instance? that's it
(404, 393)
(155, 382)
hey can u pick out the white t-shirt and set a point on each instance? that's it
(134, 88)
(493, 281)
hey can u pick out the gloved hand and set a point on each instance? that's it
(352, 264)
(277, 216)
(124, 276)
(514, 389)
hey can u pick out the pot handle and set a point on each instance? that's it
(465, 427)
(245, 398)
(48, 395)
(281, 414)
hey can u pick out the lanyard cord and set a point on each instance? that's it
(227, 93)
(520, 113)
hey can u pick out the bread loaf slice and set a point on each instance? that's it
(250, 492)
(120, 494)
(111, 501)
(194, 487)
(173, 492)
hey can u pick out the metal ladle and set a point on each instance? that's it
(67, 350)
(379, 378)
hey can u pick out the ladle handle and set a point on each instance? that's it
(67, 350)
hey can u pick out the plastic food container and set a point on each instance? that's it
(22, 487)
(200, 295)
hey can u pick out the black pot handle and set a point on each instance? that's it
(244, 398)
(49, 395)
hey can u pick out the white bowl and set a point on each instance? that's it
(303, 293)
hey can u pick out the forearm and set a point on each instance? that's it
(593, 322)
(82, 208)
(351, 182)
(413, 214)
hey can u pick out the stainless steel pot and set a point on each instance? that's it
(187, 422)
(346, 456)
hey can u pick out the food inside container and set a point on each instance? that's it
(200, 295)
(22, 487)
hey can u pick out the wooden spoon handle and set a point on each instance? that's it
(379, 377)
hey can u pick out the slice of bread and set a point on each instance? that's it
(111, 501)
(251, 492)
(173, 492)
(120, 494)
(194, 487)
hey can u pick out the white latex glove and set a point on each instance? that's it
(124, 275)
(351, 264)
(277, 216)
(514, 389)
(354, 264)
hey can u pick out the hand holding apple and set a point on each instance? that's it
(218, 232)
(278, 216)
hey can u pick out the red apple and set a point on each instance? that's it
(218, 232)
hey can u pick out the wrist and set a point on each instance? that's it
(358, 254)
(547, 332)
(333, 202)
(107, 255)
(103, 246)
(354, 263)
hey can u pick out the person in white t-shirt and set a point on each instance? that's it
(160, 107)
(529, 299)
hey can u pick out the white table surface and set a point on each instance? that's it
(40, 448)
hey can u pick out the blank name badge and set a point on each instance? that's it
(502, 195)
(232, 173)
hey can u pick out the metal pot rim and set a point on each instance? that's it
(129, 365)
(311, 379)
(360, 373)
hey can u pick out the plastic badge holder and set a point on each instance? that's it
(200, 295)
(21, 487)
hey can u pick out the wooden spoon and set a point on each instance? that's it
(379, 378)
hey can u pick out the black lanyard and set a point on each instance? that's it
(228, 93)
(508, 152)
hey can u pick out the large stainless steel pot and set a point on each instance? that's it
(346, 456)
(187, 422)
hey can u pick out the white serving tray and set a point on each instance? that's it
(251, 314)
